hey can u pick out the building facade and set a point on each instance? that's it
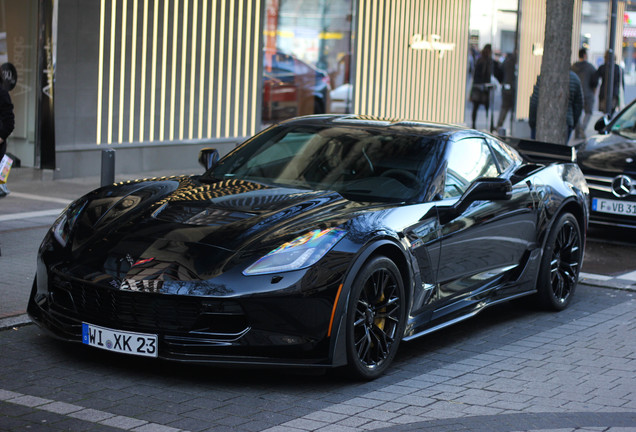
(157, 80)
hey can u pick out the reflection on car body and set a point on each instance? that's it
(321, 242)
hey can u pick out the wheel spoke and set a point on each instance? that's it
(554, 265)
(558, 287)
(384, 338)
(568, 236)
(363, 345)
(382, 346)
(358, 322)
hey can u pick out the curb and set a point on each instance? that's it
(15, 321)
(612, 282)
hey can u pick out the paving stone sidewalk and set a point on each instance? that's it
(511, 368)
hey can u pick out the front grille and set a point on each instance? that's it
(601, 187)
(605, 184)
(139, 311)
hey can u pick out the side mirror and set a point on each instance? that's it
(482, 189)
(487, 189)
(602, 123)
(208, 157)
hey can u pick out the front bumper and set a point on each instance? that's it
(283, 327)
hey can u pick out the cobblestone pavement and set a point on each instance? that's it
(511, 368)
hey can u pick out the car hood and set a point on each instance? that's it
(182, 229)
(609, 154)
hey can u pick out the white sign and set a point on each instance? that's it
(432, 44)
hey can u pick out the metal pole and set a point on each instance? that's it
(609, 63)
(108, 167)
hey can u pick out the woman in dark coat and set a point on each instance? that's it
(8, 80)
(6, 120)
(6, 127)
(479, 93)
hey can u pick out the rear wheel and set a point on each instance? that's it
(560, 264)
(375, 318)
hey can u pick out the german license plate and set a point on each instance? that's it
(141, 344)
(614, 206)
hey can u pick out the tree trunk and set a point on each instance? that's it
(555, 68)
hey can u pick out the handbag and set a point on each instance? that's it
(5, 167)
(478, 94)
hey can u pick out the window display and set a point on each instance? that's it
(306, 58)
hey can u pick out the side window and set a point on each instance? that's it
(504, 159)
(468, 160)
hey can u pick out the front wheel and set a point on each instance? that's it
(560, 264)
(376, 318)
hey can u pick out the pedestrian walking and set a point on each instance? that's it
(8, 78)
(575, 106)
(507, 77)
(618, 85)
(586, 72)
(480, 90)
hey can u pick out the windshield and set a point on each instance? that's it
(625, 124)
(360, 164)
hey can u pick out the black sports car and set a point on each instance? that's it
(322, 241)
(609, 164)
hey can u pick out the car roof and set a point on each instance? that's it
(427, 129)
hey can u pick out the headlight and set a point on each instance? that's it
(63, 226)
(301, 252)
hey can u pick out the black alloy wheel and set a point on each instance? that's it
(561, 263)
(375, 318)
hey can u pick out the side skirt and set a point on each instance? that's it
(466, 316)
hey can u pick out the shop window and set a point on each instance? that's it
(306, 58)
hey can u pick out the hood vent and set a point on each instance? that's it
(198, 215)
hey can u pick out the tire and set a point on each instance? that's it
(376, 316)
(560, 264)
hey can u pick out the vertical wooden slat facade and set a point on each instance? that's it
(188, 70)
(620, 25)
(175, 70)
(395, 80)
(531, 43)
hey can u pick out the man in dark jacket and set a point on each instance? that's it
(506, 74)
(585, 71)
(618, 83)
(575, 106)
